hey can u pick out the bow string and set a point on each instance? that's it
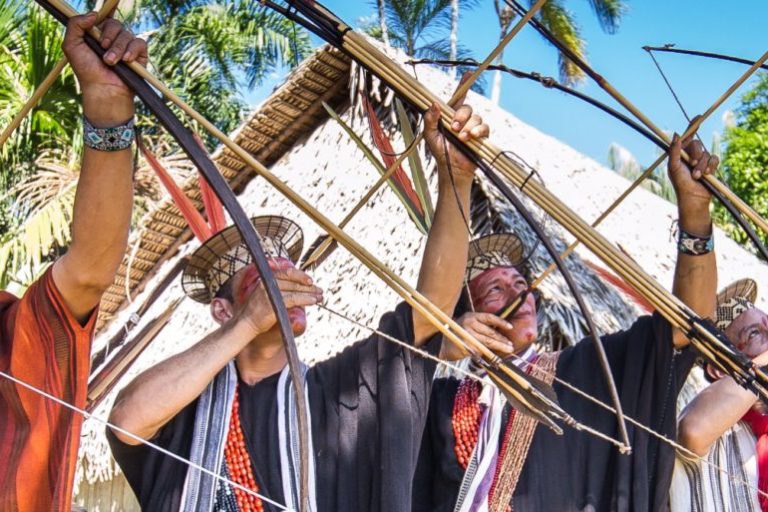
(250, 237)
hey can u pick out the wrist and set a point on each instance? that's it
(242, 329)
(694, 218)
(105, 109)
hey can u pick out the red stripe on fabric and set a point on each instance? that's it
(49, 350)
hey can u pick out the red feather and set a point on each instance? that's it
(384, 145)
(623, 286)
(196, 221)
(213, 207)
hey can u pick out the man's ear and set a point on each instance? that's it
(713, 373)
(221, 310)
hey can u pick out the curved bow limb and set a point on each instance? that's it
(138, 78)
(670, 48)
(48, 81)
(132, 74)
(321, 251)
(713, 184)
(677, 313)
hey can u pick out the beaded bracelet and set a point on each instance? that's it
(116, 138)
(694, 245)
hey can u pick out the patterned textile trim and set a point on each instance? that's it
(116, 138)
(520, 435)
(730, 310)
(491, 251)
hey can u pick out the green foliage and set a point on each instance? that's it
(421, 29)
(625, 164)
(745, 159)
(206, 51)
(29, 52)
(559, 20)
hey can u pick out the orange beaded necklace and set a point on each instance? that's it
(239, 463)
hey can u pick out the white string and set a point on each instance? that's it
(160, 449)
(418, 351)
(578, 426)
(661, 437)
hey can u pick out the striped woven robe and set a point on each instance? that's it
(42, 344)
(699, 486)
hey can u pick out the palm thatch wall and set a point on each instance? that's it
(290, 132)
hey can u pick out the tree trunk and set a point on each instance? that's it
(506, 15)
(383, 22)
(496, 87)
(454, 29)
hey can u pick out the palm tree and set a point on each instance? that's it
(454, 38)
(31, 46)
(418, 27)
(206, 52)
(561, 23)
(382, 22)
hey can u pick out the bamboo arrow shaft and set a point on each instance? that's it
(716, 183)
(372, 58)
(46, 84)
(440, 320)
(463, 88)
(457, 95)
(724, 190)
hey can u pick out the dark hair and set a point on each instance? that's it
(226, 291)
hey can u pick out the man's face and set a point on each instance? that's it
(245, 281)
(749, 332)
(498, 287)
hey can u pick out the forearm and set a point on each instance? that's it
(102, 212)
(716, 409)
(445, 255)
(157, 395)
(696, 276)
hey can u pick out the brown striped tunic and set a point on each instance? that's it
(42, 344)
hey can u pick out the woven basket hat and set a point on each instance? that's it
(733, 300)
(224, 254)
(491, 251)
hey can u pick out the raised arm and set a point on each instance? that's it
(445, 256)
(102, 210)
(695, 275)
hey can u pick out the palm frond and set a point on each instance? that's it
(609, 13)
(558, 20)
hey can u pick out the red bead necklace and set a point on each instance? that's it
(239, 463)
(467, 413)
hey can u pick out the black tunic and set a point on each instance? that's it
(368, 405)
(576, 471)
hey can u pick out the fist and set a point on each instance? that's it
(256, 310)
(487, 329)
(97, 80)
(685, 176)
(466, 125)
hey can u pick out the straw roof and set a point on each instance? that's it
(271, 130)
(315, 157)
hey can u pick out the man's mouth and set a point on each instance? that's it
(522, 314)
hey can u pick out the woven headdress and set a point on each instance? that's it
(491, 251)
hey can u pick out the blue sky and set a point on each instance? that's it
(722, 27)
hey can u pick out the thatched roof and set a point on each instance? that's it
(317, 159)
(271, 130)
